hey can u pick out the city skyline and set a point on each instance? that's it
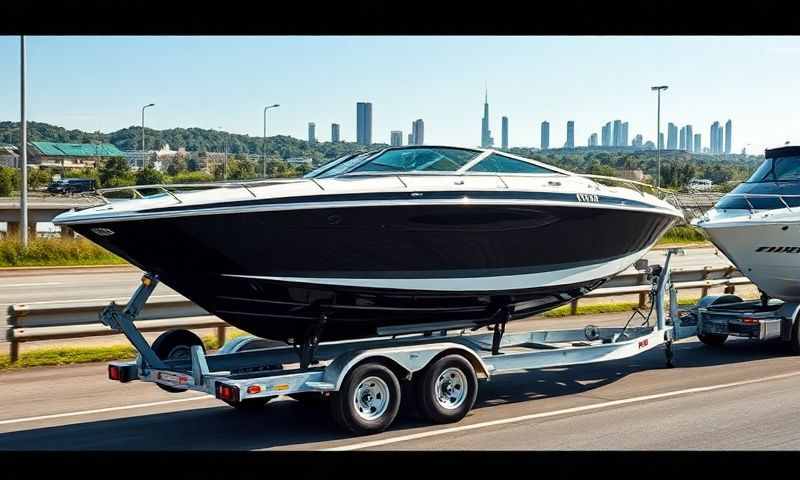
(187, 77)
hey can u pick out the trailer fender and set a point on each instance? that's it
(407, 359)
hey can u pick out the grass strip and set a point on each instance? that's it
(49, 252)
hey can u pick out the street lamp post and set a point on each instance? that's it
(23, 189)
(658, 133)
(144, 159)
(264, 144)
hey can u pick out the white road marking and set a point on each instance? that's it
(32, 284)
(104, 410)
(522, 418)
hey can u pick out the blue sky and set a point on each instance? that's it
(100, 83)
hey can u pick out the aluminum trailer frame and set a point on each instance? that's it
(243, 369)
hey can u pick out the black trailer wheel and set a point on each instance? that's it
(175, 344)
(795, 340)
(368, 400)
(447, 389)
(712, 339)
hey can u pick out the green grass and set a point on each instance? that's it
(617, 307)
(683, 235)
(43, 252)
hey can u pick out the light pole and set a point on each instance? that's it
(225, 161)
(144, 160)
(23, 189)
(264, 144)
(658, 133)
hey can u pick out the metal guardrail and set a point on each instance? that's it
(28, 323)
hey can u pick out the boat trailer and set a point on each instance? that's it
(361, 379)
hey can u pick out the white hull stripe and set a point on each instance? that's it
(499, 283)
(126, 216)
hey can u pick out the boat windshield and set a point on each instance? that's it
(782, 169)
(337, 166)
(419, 159)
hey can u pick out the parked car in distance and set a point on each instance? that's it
(72, 185)
(700, 185)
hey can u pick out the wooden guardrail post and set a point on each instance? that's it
(642, 295)
(221, 336)
(13, 348)
(573, 307)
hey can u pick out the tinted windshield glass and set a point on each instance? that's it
(335, 167)
(419, 159)
(783, 169)
(499, 164)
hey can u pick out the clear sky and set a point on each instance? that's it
(100, 83)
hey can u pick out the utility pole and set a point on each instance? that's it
(144, 159)
(23, 189)
(264, 143)
(658, 133)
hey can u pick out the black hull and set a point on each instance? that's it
(215, 260)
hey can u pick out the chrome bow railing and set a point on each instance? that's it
(173, 188)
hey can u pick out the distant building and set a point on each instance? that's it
(312, 132)
(9, 157)
(206, 161)
(70, 155)
(504, 133)
(545, 139)
(616, 139)
(364, 123)
(410, 139)
(715, 138)
(592, 140)
(334, 133)
(486, 134)
(295, 161)
(636, 174)
(396, 138)
(728, 136)
(661, 140)
(606, 136)
(682, 139)
(637, 141)
(672, 136)
(624, 139)
(418, 132)
(649, 145)
(570, 135)
(697, 143)
(689, 139)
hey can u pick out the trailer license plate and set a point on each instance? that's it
(169, 377)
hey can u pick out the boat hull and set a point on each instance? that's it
(374, 268)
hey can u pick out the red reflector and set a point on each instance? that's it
(113, 372)
(750, 321)
(253, 389)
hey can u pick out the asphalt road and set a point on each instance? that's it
(742, 396)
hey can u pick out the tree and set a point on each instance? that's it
(176, 165)
(149, 176)
(6, 181)
(115, 172)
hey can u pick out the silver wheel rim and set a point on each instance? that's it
(451, 389)
(371, 398)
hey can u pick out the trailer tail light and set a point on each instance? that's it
(254, 389)
(229, 393)
(750, 321)
(122, 373)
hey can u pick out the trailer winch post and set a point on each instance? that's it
(665, 284)
(121, 320)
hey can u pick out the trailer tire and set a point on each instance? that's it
(712, 339)
(368, 400)
(175, 344)
(795, 340)
(447, 389)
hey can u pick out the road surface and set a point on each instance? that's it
(743, 396)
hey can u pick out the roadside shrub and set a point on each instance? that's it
(54, 252)
(192, 177)
(6, 181)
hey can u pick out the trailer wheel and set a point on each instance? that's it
(795, 340)
(447, 389)
(368, 400)
(712, 339)
(175, 345)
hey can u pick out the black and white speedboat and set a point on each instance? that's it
(397, 240)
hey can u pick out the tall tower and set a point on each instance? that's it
(570, 135)
(616, 136)
(396, 138)
(312, 137)
(364, 123)
(545, 142)
(418, 131)
(334, 133)
(689, 139)
(728, 136)
(486, 134)
(504, 135)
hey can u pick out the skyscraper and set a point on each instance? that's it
(661, 140)
(616, 136)
(689, 138)
(410, 140)
(418, 131)
(570, 135)
(728, 136)
(697, 144)
(637, 141)
(504, 135)
(593, 140)
(396, 138)
(335, 132)
(672, 136)
(715, 134)
(486, 134)
(312, 137)
(364, 123)
(682, 139)
(545, 142)
(624, 139)
(606, 136)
